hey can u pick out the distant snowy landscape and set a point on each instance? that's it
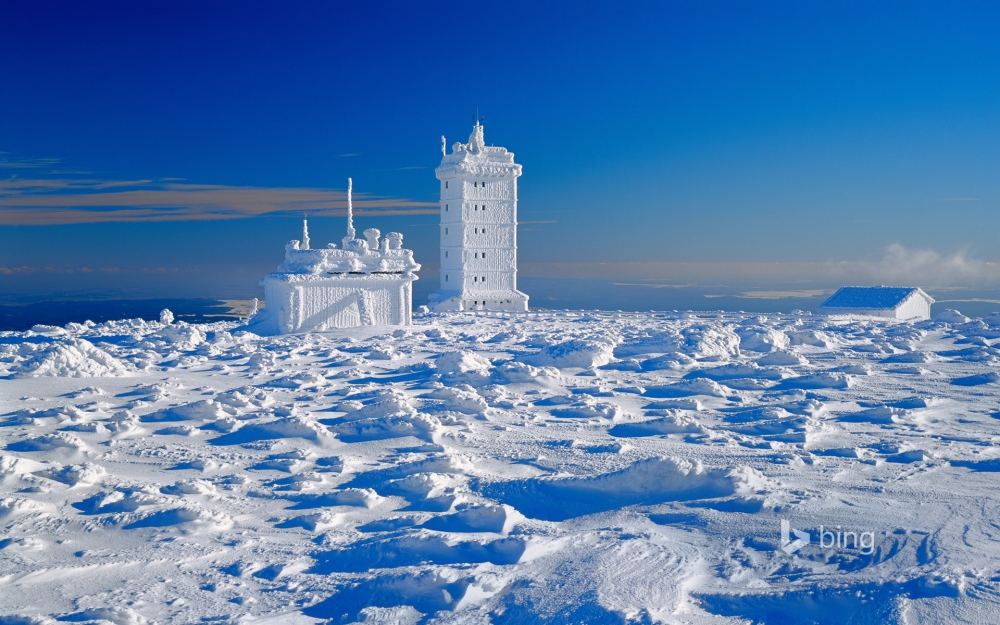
(503, 468)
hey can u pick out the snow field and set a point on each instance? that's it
(501, 468)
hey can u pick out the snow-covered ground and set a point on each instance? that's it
(487, 468)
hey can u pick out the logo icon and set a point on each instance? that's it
(787, 544)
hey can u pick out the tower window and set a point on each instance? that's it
(446, 253)
(446, 208)
(484, 254)
(445, 184)
(475, 279)
(446, 231)
(445, 277)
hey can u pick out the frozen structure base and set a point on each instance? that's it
(324, 289)
(365, 283)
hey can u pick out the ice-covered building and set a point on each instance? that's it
(879, 301)
(478, 228)
(364, 282)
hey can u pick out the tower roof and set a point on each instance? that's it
(475, 158)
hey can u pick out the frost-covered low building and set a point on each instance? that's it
(879, 301)
(364, 282)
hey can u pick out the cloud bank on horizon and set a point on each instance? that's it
(62, 200)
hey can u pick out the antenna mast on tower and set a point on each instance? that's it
(350, 210)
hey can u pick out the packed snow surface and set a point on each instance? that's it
(503, 468)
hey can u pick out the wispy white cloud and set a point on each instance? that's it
(10, 161)
(901, 265)
(62, 200)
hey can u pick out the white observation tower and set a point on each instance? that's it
(478, 228)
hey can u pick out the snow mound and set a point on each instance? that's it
(815, 338)
(951, 316)
(689, 388)
(285, 427)
(762, 339)
(181, 336)
(351, 497)
(464, 367)
(978, 380)
(911, 357)
(86, 474)
(782, 358)
(389, 414)
(735, 371)
(817, 380)
(114, 616)
(385, 403)
(671, 424)
(573, 354)
(666, 362)
(495, 519)
(72, 358)
(588, 408)
(202, 410)
(650, 481)
(462, 362)
(423, 592)
(878, 415)
(186, 519)
(698, 340)
(49, 442)
(305, 380)
(459, 400)
(513, 372)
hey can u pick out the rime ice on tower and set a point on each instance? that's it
(478, 228)
(366, 282)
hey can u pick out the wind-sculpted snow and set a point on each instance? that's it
(72, 357)
(502, 468)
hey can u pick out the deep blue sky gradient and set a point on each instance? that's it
(662, 132)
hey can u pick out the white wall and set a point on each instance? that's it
(328, 303)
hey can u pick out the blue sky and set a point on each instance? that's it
(169, 148)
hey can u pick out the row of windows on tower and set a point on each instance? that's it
(474, 207)
(474, 278)
(478, 231)
(477, 303)
(474, 183)
(478, 254)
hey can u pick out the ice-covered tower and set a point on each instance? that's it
(478, 228)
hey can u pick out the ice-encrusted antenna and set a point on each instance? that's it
(305, 232)
(350, 211)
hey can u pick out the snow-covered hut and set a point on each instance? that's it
(478, 227)
(365, 282)
(879, 301)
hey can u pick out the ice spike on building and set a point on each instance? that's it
(478, 228)
(364, 282)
